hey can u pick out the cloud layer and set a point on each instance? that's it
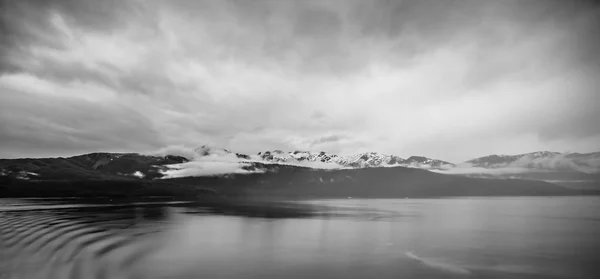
(444, 79)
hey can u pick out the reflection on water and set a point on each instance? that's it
(437, 238)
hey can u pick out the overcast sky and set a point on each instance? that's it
(446, 79)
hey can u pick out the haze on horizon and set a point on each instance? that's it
(451, 80)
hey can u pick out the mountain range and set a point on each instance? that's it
(588, 163)
(361, 160)
(302, 173)
(536, 161)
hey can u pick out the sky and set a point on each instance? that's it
(452, 80)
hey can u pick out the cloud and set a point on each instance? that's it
(138, 174)
(39, 121)
(204, 168)
(308, 164)
(445, 79)
(326, 139)
(204, 161)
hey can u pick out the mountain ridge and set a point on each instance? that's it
(277, 181)
(541, 160)
(359, 160)
(534, 161)
(229, 173)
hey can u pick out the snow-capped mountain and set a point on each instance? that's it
(322, 156)
(573, 170)
(497, 161)
(424, 162)
(541, 160)
(361, 160)
(536, 161)
(370, 160)
(131, 175)
(568, 169)
(297, 156)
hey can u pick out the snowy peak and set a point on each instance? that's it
(360, 160)
(273, 156)
(304, 158)
(313, 156)
(540, 160)
(495, 161)
(297, 156)
(419, 159)
(491, 161)
(424, 162)
(369, 160)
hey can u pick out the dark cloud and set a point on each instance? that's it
(30, 28)
(327, 139)
(392, 76)
(34, 125)
(29, 23)
(317, 23)
(430, 19)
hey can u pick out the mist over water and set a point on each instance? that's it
(397, 238)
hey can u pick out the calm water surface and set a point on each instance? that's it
(540, 237)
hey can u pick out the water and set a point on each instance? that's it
(557, 237)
